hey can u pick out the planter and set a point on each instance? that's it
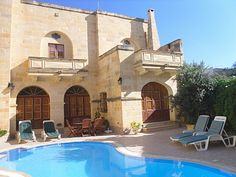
(190, 126)
(135, 130)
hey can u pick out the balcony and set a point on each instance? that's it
(41, 66)
(159, 62)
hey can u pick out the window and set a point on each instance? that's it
(56, 50)
(103, 102)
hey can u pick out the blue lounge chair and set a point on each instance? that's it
(201, 139)
(49, 130)
(25, 131)
(201, 126)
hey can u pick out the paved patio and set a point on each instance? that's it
(154, 145)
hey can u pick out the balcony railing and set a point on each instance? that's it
(51, 65)
(153, 59)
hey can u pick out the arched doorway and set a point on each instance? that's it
(33, 104)
(77, 104)
(155, 103)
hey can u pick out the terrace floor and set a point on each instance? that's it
(155, 144)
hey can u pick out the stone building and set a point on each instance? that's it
(63, 63)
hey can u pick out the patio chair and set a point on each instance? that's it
(49, 130)
(85, 127)
(97, 126)
(25, 131)
(215, 133)
(201, 126)
(73, 130)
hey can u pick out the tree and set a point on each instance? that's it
(194, 88)
(234, 65)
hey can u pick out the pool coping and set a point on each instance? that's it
(120, 148)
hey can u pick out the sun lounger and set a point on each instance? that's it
(49, 130)
(215, 133)
(25, 131)
(200, 126)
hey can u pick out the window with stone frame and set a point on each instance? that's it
(56, 50)
(103, 102)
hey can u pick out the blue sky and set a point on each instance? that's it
(207, 27)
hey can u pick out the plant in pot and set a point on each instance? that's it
(97, 114)
(135, 126)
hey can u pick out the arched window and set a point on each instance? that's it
(126, 42)
(56, 45)
(33, 104)
(77, 104)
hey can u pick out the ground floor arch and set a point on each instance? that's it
(33, 103)
(155, 103)
(76, 104)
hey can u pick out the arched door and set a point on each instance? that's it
(77, 104)
(33, 104)
(155, 103)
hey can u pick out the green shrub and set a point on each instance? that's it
(225, 101)
(2, 132)
(194, 87)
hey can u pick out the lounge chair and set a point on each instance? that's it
(25, 131)
(97, 126)
(73, 130)
(85, 127)
(215, 133)
(49, 130)
(201, 126)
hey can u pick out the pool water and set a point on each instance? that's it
(90, 159)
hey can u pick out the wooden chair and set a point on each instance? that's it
(86, 127)
(97, 126)
(73, 130)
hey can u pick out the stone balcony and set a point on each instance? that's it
(41, 66)
(158, 62)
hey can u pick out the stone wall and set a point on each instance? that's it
(5, 54)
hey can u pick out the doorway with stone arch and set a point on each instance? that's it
(155, 103)
(33, 103)
(76, 104)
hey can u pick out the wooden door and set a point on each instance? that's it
(155, 103)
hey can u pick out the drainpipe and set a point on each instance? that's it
(153, 37)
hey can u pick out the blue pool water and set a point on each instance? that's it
(89, 159)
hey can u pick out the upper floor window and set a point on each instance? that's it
(56, 50)
(126, 42)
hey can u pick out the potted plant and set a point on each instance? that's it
(97, 114)
(135, 126)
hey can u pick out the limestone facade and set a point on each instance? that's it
(103, 53)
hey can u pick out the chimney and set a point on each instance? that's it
(153, 38)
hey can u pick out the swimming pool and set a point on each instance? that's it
(93, 159)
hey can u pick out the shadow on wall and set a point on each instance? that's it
(137, 28)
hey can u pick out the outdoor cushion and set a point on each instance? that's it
(181, 135)
(191, 139)
(216, 127)
(49, 127)
(25, 127)
(201, 123)
(26, 136)
(53, 134)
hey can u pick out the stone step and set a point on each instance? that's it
(158, 126)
